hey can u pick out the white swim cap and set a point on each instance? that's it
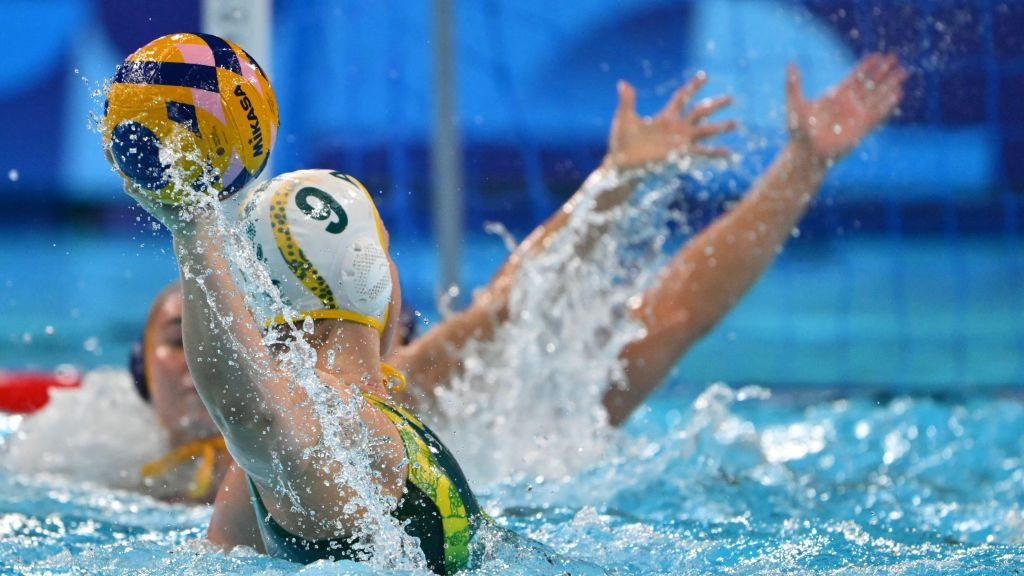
(320, 236)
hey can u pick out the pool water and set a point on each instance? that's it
(730, 482)
(882, 435)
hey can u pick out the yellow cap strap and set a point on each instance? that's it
(392, 374)
(206, 449)
(332, 313)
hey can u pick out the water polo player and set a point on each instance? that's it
(710, 273)
(327, 251)
(858, 104)
(677, 318)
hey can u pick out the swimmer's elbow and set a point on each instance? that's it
(244, 417)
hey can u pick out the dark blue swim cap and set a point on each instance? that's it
(137, 368)
(406, 326)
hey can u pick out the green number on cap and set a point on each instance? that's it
(327, 207)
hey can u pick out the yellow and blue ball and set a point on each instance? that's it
(188, 113)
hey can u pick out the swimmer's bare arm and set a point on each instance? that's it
(268, 421)
(241, 384)
(634, 141)
(233, 522)
(706, 278)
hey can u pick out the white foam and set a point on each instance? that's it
(530, 401)
(101, 432)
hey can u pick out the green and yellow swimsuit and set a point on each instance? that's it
(438, 507)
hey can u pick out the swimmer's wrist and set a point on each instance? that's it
(803, 151)
(190, 220)
(616, 170)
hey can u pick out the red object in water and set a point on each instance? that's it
(23, 392)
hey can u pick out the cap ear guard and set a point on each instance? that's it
(365, 277)
(137, 368)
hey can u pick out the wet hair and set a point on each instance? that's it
(137, 368)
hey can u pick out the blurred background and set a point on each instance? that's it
(907, 273)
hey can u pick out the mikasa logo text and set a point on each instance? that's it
(254, 122)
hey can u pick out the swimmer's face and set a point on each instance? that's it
(172, 392)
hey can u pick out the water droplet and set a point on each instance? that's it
(13, 175)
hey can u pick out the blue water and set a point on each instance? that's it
(722, 485)
(814, 473)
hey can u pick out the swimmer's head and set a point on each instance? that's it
(320, 236)
(161, 374)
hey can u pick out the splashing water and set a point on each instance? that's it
(530, 400)
(730, 483)
(68, 439)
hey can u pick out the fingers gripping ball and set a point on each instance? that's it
(187, 113)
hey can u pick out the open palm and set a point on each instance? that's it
(637, 140)
(832, 125)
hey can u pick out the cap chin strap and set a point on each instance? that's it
(206, 450)
(394, 380)
(332, 314)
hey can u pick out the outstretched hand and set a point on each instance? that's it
(832, 125)
(637, 140)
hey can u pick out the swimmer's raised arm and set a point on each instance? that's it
(634, 142)
(706, 278)
(241, 384)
